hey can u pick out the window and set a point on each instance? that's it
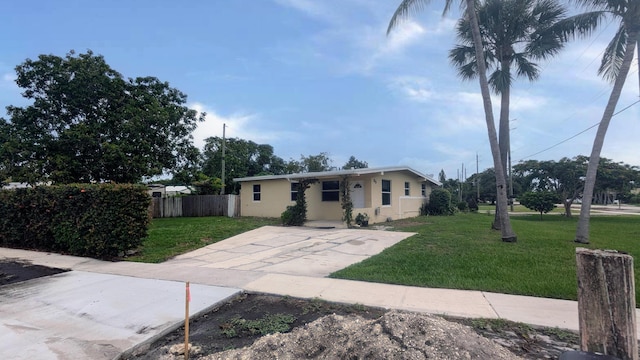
(331, 191)
(386, 192)
(256, 192)
(406, 188)
(294, 191)
(424, 189)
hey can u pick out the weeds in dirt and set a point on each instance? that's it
(268, 324)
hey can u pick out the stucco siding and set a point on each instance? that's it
(275, 196)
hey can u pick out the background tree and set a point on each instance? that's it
(242, 158)
(87, 123)
(354, 163)
(403, 10)
(316, 163)
(515, 33)
(565, 178)
(615, 66)
(540, 201)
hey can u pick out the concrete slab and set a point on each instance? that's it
(535, 310)
(80, 315)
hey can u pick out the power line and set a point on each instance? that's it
(576, 135)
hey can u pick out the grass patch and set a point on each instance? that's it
(169, 237)
(461, 252)
(517, 208)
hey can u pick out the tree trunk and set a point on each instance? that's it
(607, 303)
(582, 233)
(567, 208)
(501, 189)
(504, 137)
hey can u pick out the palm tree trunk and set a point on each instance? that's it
(505, 225)
(582, 233)
(503, 134)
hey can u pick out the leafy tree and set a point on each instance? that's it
(442, 177)
(242, 158)
(541, 201)
(316, 163)
(403, 10)
(564, 178)
(207, 186)
(615, 67)
(87, 123)
(354, 163)
(515, 33)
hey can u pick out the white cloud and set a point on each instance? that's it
(243, 126)
(415, 88)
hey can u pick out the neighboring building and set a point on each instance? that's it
(382, 193)
(177, 190)
(161, 191)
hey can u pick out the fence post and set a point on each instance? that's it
(607, 303)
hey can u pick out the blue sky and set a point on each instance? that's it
(311, 76)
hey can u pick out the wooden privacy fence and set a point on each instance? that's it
(196, 205)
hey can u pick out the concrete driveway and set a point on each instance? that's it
(100, 309)
(291, 250)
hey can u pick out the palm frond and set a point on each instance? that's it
(407, 7)
(500, 80)
(581, 25)
(526, 68)
(614, 56)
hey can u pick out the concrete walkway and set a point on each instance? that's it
(102, 308)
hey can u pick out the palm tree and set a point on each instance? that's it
(402, 12)
(614, 67)
(514, 34)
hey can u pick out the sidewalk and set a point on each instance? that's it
(128, 300)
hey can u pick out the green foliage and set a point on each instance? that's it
(345, 201)
(541, 201)
(362, 219)
(439, 203)
(86, 123)
(296, 215)
(268, 324)
(243, 158)
(354, 163)
(95, 220)
(463, 206)
(207, 186)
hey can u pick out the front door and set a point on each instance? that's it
(357, 194)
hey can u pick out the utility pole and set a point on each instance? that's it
(224, 127)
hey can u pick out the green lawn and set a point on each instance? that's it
(169, 237)
(517, 208)
(461, 252)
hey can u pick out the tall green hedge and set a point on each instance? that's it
(94, 220)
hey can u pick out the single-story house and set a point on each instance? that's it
(382, 193)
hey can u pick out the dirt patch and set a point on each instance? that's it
(308, 329)
(16, 270)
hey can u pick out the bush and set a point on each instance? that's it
(541, 201)
(439, 203)
(295, 215)
(95, 220)
(473, 204)
(463, 206)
